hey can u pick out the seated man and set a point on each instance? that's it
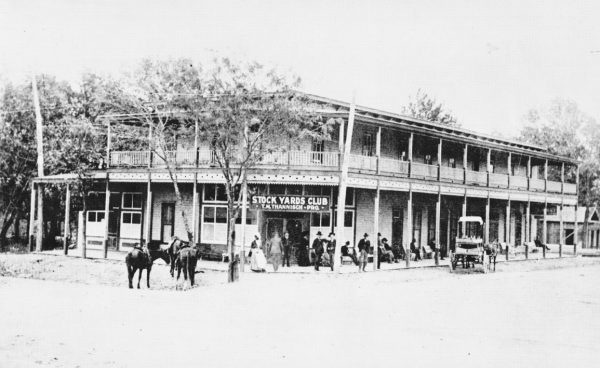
(346, 252)
(539, 244)
(416, 249)
(398, 251)
(385, 251)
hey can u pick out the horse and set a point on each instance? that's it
(140, 259)
(174, 247)
(186, 259)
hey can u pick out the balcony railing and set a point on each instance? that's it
(452, 174)
(498, 180)
(537, 184)
(420, 170)
(477, 177)
(389, 165)
(363, 162)
(130, 158)
(518, 182)
(554, 186)
(331, 161)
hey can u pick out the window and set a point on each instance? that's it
(452, 163)
(367, 147)
(317, 145)
(132, 200)
(215, 192)
(95, 216)
(132, 218)
(349, 197)
(348, 218)
(214, 224)
(320, 219)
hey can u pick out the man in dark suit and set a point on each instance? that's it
(363, 247)
(317, 246)
(287, 249)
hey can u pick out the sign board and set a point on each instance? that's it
(290, 203)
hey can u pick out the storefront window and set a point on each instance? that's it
(214, 224)
(320, 219)
(132, 200)
(349, 197)
(348, 218)
(215, 192)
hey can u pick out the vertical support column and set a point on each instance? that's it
(507, 227)
(196, 147)
(575, 229)
(439, 160)
(148, 217)
(546, 176)
(195, 210)
(341, 137)
(375, 228)
(409, 225)
(31, 217)
(378, 148)
(150, 154)
(244, 220)
(509, 166)
(527, 227)
(438, 214)
(562, 178)
(40, 218)
(410, 154)
(575, 234)
(67, 218)
(108, 143)
(106, 214)
(529, 174)
(489, 165)
(465, 162)
(545, 229)
(342, 188)
(561, 231)
(464, 213)
(486, 234)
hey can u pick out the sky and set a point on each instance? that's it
(487, 61)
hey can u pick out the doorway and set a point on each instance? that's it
(167, 222)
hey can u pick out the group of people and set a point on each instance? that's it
(279, 251)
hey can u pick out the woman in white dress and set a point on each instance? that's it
(258, 262)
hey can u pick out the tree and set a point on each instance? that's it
(565, 130)
(424, 107)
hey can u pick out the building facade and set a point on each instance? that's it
(407, 179)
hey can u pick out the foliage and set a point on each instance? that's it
(424, 107)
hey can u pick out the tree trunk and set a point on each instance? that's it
(585, 226)
(84, 227)
(8, 220)
(179, 202)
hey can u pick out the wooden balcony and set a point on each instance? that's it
(311, 160)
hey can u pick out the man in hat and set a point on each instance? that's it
(329, 255)
(317, 246)
(287, 249)
(363, 247)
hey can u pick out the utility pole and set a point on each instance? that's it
(40, 163)
(341, 203)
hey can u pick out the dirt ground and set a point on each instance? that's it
(70, 312)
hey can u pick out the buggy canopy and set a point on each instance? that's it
(471, 219)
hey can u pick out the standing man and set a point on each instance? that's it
(363, 247)
(331, 249)
(287, 249)
(317, 246)
(275, 250)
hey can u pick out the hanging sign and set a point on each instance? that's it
(290, 203)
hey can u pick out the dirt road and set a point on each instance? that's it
(422, 318)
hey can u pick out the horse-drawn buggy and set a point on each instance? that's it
(470, 249)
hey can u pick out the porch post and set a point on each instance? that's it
(545, 229)
(149, 209)
(529, 174)
(561, 238)
(31, 216)
(108, 143)
(489, 165)
(575, 230)
(195, 209)
(576, 208)
(464, 213)
(341, 137)
(40, 218)
(486, 234)
(376, 228)
(546, 176)
(409, 224)
(439, 160)
(67, 218)
(438, 209)
(378, 148)
(507, 227)
(244, 219)
(509, 167)
(106, 214)
(465, 161)
(527, 227)
(562, 178)
(410, 154)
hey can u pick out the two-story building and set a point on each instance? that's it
(407, 179)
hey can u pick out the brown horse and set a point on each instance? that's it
(140, 259)
(186, 260)
(174, 247)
